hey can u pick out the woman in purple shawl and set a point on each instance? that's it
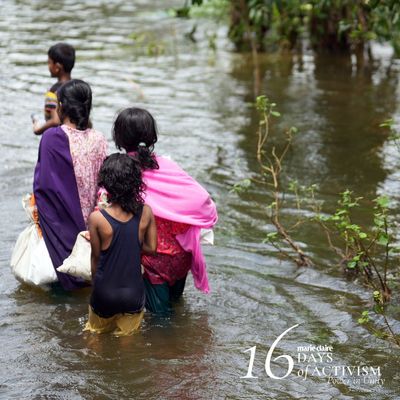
(65, 181)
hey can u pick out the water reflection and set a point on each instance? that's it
(337, 108)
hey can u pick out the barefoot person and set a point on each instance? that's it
(61, 60)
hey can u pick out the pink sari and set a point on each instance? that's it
(176, 196)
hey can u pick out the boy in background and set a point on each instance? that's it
(61, 60)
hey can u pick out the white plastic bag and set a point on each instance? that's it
(78, 262)
(207, 236)
(30, 260)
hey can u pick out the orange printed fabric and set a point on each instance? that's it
(35, 214)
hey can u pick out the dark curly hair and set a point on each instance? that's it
(75, 99)
(121, 176)
(135, 130)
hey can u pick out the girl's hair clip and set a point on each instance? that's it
(142, 144)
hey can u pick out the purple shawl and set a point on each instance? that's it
(57, 200)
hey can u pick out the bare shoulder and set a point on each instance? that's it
(147, 210)
(147, 214)
(95, 218)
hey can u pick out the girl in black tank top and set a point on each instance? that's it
(118, 235)
(118, 285)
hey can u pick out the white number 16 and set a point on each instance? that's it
(289, 359)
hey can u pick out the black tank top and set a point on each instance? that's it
(118, 284)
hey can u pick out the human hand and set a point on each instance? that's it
(34, 118)
(86, 235)
(36, 126)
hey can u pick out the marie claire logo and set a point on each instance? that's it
(315, 361)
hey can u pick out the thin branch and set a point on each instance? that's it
(394, 336)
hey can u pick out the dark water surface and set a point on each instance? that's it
(202, 101)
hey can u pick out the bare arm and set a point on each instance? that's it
(95, 242)
(150, 235)
(53, 121)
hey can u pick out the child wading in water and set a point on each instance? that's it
(181, 206)
(118, 235)
(61, 60)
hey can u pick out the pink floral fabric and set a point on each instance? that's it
(88, 150)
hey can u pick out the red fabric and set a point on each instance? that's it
(176, 196)
(163, 268)
(166, 232)
(171, 262)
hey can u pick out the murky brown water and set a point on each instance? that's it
(201, 100)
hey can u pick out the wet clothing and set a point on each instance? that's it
(166, 271)
(57, 194)
(171, 262)
(175, 196)
(159, 297)
(118, 284)
(118, 325)
(57, 201)
(167, 268)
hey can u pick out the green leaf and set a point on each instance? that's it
(387, 123)
(352, 264)
(353, 227)
(383, 239)
(341, 212)
(261, 103)
(382, 201)
(271, 237)
(378, 221)
(241, 186)
(364, 317)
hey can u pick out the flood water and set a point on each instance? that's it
(202, 102)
